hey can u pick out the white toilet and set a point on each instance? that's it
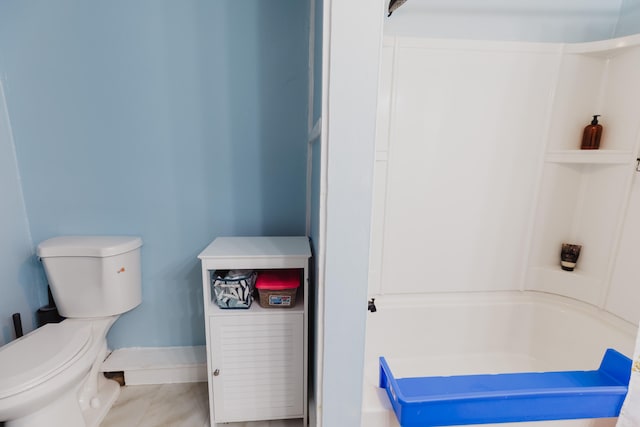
(50, 377)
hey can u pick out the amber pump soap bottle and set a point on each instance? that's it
(592, 134)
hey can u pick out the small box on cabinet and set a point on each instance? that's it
(278, 288)
(233, 289)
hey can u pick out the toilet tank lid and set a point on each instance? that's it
(89, 246)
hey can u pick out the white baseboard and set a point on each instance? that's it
(159, 365)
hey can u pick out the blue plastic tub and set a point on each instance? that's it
(500, 398)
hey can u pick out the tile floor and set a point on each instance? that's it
(165, 405)
(170, 405)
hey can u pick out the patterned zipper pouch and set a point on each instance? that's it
(233, 288)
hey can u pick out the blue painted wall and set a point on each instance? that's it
(127, 116)
(523, 20)
(21, 288)
(629, 22)
(317, 61)
(175, 121)
(317, 113)
(314, 208)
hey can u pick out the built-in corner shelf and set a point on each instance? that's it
(576, 284)
(583, 193)
(602, 157)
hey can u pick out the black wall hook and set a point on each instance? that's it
(17, 325)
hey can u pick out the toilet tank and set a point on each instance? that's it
(93, 276)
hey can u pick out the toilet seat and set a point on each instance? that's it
(31, 360)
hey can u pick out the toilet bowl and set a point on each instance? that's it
(51, 377)
(53, 374)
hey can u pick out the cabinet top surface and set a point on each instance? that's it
(257, 247)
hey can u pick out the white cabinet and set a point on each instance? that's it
(256, 357)
(259, 365)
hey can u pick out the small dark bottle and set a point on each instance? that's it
(592, 134)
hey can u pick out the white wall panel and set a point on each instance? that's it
(380, 167)
(352, 43)
(467, 134)
(624, 293)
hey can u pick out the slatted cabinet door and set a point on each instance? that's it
(257, 366)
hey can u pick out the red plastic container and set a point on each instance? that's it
(278, 288)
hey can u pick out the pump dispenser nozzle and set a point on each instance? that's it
(595, 119)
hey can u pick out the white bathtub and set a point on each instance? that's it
(455, 334)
